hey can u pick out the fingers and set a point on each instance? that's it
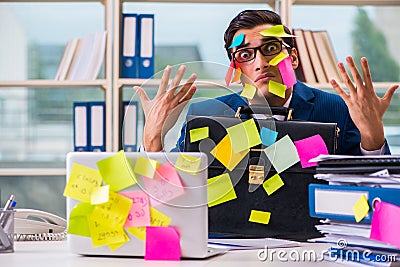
(346, 79)
(164, 80)
(142, 94)
(189, 94)
(366, 73)
(339, 90)
(389, 94)
(177, 79)
(185, 88)
(354, 72)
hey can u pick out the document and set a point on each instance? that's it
(250, 243)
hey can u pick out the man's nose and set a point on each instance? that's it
(260, 61)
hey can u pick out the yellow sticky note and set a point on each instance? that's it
(273, 184)
(78, 223)
(280, 57)
(220, 190)
(249, 91)
(244, 135)
(100, 195)
(361, 208)
(157, 219)
(115, 211)
(116, 246)
(188, 164)
(117, 171)
(146, 166)
(81, 182)
(224, 153)
(276, 31)
(198, 134)
(258, 216)
(282, 154)
(236, 75)
(277, 88)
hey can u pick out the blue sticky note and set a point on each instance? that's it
(268, 137)
(238, 40)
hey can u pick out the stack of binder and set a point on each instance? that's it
(346, 205)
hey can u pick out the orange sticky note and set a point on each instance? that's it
(224, 153)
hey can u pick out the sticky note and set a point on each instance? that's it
(361, 208)
(238, 40)
(188, 164)
(165, 186)
(220, 190)
(139, 214)
(276, 88)
(309, 148)
(115, 211)
(276, 31)
(272, 184)
(268, 136)
(236, 75)
(248, 91)
(146, 166)
(282, 154)
(287, 72)
(81, 182)
(280, 57)
(117, 171)
(229, 73)
(244, 135)
(162, 243)
(115, 246)
(78, 223)
(198, 134)
(99, 195)
(224, 153)
(258, 216)
(157, 219)
(385, 223)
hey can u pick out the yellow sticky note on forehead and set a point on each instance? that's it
(361, 208)
(277, 88)
(248, 91)
(276, 31)
(280, 57)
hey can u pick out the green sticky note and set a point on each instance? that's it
(198, 134)
(276, 88)
(99, 195)
(78, 223)
(275, 31)
(248, 91)
(146, 166)
(258, 216)
(188, 164)
(273, 184)
(361, 208)
(280, 57)
(282, 154)
(220, 190)
(244, 135)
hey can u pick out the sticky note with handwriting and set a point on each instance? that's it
(162, 243)
(117, 171)
(258, 216)
(100, 195)
(224, 153)
(220, 190)
(188, 164)
(81, 182)
(116, 210)
(361, 208)
(249, 91)
(282, 154)
(384, 224)
(272, 184)
(198, 134)
(244, 135)
(309, 148)
(78, 222)
(139, 214)
(287, 72)
(277, 88)
(146, 166)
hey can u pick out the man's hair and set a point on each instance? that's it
(249, 19)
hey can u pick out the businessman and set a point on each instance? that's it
(357, 112)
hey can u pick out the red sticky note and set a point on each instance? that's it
(287, 72)
(385, 223)
(165, 185)
(229, 73)
(139, 215)
(309, 148)
(162, 243)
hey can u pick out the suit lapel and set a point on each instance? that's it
(302, 101)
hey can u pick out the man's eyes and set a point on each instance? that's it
(245, 54)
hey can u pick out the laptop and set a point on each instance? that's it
(188, 212)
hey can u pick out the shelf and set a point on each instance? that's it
(156, 82)
(32, 172)
(53, 83)
(269, 2)
(379, 86)
(348, 2)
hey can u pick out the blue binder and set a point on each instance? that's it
(336, 202)
(129, 48)
(129, 125)
(97, 126)
(81, 123)
(146, 50)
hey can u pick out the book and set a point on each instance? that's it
(66, 59)
(305, 71)
(326, 54)
(314, 57)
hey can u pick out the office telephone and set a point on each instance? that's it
(37, 225)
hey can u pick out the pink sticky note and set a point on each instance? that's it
(162, 243)
(385, 223)
(165, 185)
(139, 215)
(229, 73)
(309, 148)
(287, 72)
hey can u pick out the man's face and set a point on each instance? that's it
(258, 71)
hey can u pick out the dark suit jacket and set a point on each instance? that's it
(309, 104)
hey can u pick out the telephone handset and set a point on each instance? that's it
(37, 225)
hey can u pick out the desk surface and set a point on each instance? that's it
(56, 253)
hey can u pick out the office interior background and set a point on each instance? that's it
(36, 128)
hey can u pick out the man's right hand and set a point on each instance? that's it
(163, 110)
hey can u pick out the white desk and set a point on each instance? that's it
(56, 254)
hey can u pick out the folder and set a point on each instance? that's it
(129, 46)
(97, 126)
(81, 120)
(129, 125)
(146, 33)
(336, 202)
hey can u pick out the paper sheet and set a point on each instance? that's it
(309, 148)
(100, 195)
(276, 31)
(268, 136)
(198, 134)
(248, 91)
(139, 214)
(146, 166)
(188, 164)
(244, 135)
(78, 223)
(287, 72)
(276, 88)
(280, 57)
(220, 190)
(385, 223)
(361, 208)
(253, 243)
(224, 153)
(272, 184)
(162, 243)
(258, 216)
(282, 154)
(238, 40)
